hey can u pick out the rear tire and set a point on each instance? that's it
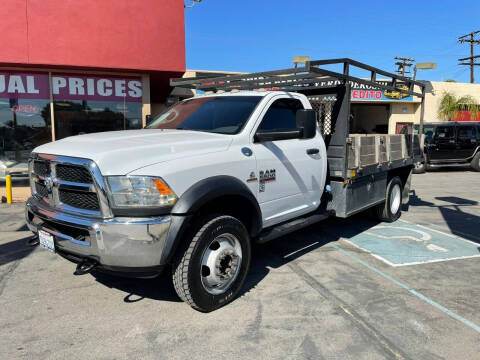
(476, 162)
(211, 271)
(391, 209)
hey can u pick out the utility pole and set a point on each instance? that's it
(470, 38)
(403, 64)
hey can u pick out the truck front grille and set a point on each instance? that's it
(41, 189)
(79, 199)
(71, 173)
(40, 168)
(67, 183)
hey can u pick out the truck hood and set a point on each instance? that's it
(121, 152)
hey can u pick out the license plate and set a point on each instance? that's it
(46, 240)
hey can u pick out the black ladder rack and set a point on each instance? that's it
(304, 79)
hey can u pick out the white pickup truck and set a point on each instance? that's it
(202, 181)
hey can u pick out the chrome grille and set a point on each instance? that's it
(71, 184)
(73, 173)
(41, 189)
(79, 199)
(40, 168)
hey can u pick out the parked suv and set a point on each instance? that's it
(452, 144)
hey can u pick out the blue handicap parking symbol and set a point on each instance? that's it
(402, 243)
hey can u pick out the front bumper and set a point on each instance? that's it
(119, 244)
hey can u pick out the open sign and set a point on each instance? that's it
(24, 108)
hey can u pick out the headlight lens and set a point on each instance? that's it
(140, 191)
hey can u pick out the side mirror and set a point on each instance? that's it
(307, 121)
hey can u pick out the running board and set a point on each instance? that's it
(287, 228)
(449, 165)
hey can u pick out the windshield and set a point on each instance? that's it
(221, 114)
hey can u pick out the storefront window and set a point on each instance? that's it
(24, 122)
(86, 104)
(74, 117)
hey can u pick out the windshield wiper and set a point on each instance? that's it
(184, 128)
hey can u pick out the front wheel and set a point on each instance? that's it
(390, 210)
(211, 271)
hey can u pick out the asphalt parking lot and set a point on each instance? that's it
(342, 289)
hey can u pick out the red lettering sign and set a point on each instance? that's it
(366, 95)
(24, 108)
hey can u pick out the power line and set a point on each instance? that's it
(470, 38)
(403, 65)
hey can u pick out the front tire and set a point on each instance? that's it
(476, 162)
(391, 209)
(211, 271)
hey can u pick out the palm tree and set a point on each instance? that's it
(450, 105)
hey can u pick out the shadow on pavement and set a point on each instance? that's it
(460, 223)
(159, 288)
(15, 250)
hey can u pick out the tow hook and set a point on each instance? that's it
(85, 267)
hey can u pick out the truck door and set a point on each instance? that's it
(290, 180)
(466, 141)
(443, 143)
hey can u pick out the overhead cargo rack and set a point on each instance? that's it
(305, 79)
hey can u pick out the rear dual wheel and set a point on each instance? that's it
(211, 271)
(390, 210)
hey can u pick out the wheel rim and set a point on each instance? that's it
(221, 263)
(395, 199)
(418, 165)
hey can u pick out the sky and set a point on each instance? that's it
(260, 35)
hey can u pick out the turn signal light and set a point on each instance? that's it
(162, 188)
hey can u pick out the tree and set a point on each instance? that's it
(450, 106)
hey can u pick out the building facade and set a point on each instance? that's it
(73, 67)
(379, 111)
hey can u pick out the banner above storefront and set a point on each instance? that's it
(24, 85)
(70, 87)
(361, 92)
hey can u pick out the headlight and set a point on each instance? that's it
(140, 191)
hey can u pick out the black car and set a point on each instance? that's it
(452, 144)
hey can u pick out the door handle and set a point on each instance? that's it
(312, 151)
